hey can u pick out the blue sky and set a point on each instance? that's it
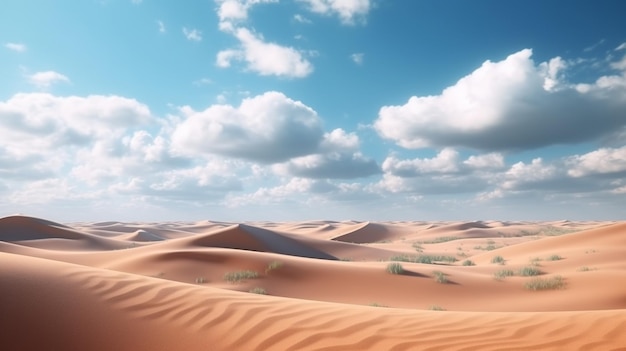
(313, 109)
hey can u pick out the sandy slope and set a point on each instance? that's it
(160, 286)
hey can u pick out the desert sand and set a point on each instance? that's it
(317, 285)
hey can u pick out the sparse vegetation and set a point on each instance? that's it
(469, 263)
(489, 247)
(418, 247)
(238, 276)
(441, 239)
(585, 269)
(498, 259)
(556, 282)
(555, 258)
(440, 277)
(535, 261)
(395, 268)
(529, 271)
(436, 308)
(503, 273)
(428, 259)
(258, 290)
(272, 266)
(201, 280)
(376, 304)
(554, 231)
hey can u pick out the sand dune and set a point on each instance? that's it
(317, 285)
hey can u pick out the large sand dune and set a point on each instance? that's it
(317, 285)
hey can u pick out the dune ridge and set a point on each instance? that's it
(318, 286)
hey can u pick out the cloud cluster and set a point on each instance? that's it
(270, 58)
(513, 104)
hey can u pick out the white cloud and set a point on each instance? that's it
(301, 19)
(523, 173)
(349, 11)
(446, 161)
(45, 79)
(265, 58)
(622, 46)
(266, 128)
(601, 161)
(508, 105)
(17, 47)
(39, 123)
(161, 26)
(192, 34)
(338, 158)
(485, 161)
(333, 165)
(231, 12)
(358, 58)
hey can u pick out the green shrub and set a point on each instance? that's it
(469, 263)
(503, 273)
(427, 259)
(438, 240)
(529, 271)
(395, 268)
(235, 277)
(376, 304)
(201, 280)
(440, 277)
(584, 269)
(436, 308)
(556, 282)
(258, 290)
(498, 259)
(272, 266)
(555, 258)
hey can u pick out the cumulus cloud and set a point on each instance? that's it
(509, 105)
(41, 122)
(446, 161)
(334, 165)
(601, 161)
(266, 128)
(46, 79)
(192, 34)
(17, 47)
(348, 11)
(265, 58)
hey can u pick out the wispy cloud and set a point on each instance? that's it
(46, 79)
(17, 47)
(301, 19)
(162, 26)
(192, 34)
(349, 11)
(358, 58)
